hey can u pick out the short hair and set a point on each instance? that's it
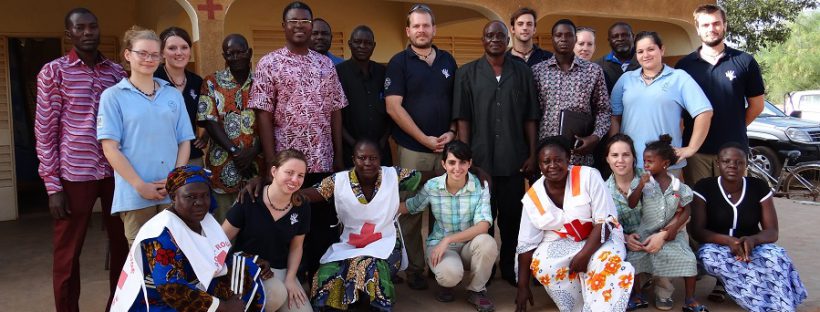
(558, 141)
(663, 147)
(76, 11)
(708, 9)
(616, 24)
(459, 149)
(651, 35)
(171, 32)
(523, 11)
(363, 28)
(296, 5)
(563, 21)
(421, 8)
(587, 29)
(138, 33)
(736, 145)
(236, 36)
(319, 19)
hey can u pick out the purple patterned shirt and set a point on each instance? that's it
(302, 91)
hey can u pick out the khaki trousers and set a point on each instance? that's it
(134, 219)
(277, 293)
(700, 166)
(478, 255)
(411, 223)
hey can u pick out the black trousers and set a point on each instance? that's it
(505, 200)
(322, 234)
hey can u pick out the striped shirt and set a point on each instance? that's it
(65, 126)
(453, 213)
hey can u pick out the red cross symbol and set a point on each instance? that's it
(209, 6)
(365, 237)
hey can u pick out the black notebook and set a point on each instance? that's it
(574, 123)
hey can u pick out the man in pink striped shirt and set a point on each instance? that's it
(71, 159)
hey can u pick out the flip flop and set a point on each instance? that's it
(637, 303)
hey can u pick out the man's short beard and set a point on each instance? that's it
(425, 46)
(714, 43)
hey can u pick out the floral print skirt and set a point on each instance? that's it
(605, 286)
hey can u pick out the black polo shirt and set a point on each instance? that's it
(497, 111)
(538, 55)
(427, 92)
(727, 84)
(365, 116)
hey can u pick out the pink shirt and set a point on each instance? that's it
(302, 91)
(65, 126)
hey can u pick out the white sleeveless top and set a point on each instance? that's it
(368, 228)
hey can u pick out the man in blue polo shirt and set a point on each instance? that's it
(730, 78)
(419, 94)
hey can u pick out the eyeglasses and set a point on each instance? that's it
(420, 7)
(297, 22)
(145, 56)
(232, 55)
(500, 36)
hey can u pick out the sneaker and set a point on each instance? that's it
(416, 281)
(664, 304)
(481, 302)
(445, 294)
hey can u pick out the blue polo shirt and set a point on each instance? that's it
(649, 111)
(427, 93)
(727, 84)
(149, 132)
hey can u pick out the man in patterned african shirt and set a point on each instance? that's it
(568, 83)
(223, 111)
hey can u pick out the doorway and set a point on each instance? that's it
(26, 57)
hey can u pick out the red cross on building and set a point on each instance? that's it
(365, 237)
(210, 7)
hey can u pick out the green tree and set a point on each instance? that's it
(755, 24)
(794, 64)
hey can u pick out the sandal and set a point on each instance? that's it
(698, 308)
(718, 293)
(664, 304)
(637, 303)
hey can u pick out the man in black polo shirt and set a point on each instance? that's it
(522, 24)
(496, 106)
(419, 95)
(622, 57)
(730, 78)
(365, 116)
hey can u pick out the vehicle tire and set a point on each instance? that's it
(797, 190)
(767, 159)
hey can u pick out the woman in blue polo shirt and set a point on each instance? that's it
(145, 133)
(648, 102)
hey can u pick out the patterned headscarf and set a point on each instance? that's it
(188, 174)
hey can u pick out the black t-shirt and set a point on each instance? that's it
(727, 84)
(738, 219)
(259, 234)
(190, 93)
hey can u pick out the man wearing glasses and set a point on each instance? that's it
(298, 100)
(72, 164)
(495, 103)
(223, 111)
(419, 93)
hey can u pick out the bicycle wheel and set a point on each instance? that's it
(804, 183)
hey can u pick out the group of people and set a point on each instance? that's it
(228, 193)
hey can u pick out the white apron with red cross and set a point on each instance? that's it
(368, 228)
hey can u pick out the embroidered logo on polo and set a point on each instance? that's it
(731, 75)
(446, 73)
(192, 93)
(294, 218)
(172, 106)
(387, 83)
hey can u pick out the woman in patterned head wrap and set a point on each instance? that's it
(180, 259)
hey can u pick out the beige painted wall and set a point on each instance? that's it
(45, 17)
